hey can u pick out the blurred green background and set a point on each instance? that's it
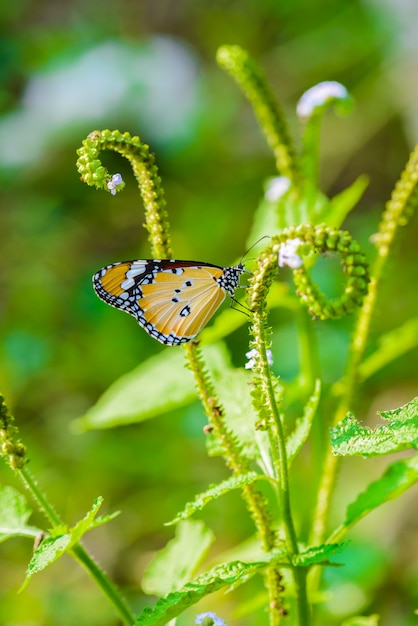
(149, 67)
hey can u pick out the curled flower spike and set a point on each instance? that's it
(319, 95)
(276, 188)
(320, 239)
(145, 170)
(115, 182)
(209, 619)
(251, 356)
(287, 254)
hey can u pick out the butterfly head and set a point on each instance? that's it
(229, 280)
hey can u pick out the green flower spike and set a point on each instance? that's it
(285, 248)
(254, 84)
(93, 173)
(11, 448)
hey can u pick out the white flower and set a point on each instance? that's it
(114, 182)
(287, 254)
(276, 188)
(209, 617)
(317, 95)
(251, 358)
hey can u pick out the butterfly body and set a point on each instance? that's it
(172, 300)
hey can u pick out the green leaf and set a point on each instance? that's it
(362, 620)
(341, 204)
(175, 603)
(212, 493)
(48, 552)
(397, 478)
(408, 413)
(175, 564)
(349, 438)
(391, 346)
(318, 555)
(89, 522)
(266, 217)
(63, 539)
(158, 385)
(225, 575)
(300, 433)
(234, 392)
(14, 514)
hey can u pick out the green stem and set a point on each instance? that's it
(308, 351)
(308, 377)
(79, 552)
(105, 584)
(399, 208)
(310, 152)
(254, 499)
(278, 448)
(39, 497)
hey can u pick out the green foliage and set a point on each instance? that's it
(221, 576)
(336, 210)
(173, 566)
(14, 514)
(62, 539)
(258, 422)
(397, 478)
(318, 555)
(391, 346)
(169, 386)
(174, 604)
(212, 493)
(369, 620)
(349, 438)
(300, 433)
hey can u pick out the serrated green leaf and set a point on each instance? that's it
(226, 575)
(212, 493)
(53, 547)
(48, 552)
(349, 438)
(300, 433)
(175, 564)
(160, 384)
(391, 346)
(89, 521)
(406, 414)
(397, 478)
(318, 555)
(175, 603)
(362, 620)
(14, 514)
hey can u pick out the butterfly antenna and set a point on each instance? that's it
(253, 246)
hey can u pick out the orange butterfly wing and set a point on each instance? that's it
(171, 300)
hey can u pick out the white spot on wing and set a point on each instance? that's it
(128, 283)
(135, 270)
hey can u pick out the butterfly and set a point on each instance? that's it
(171, 300)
